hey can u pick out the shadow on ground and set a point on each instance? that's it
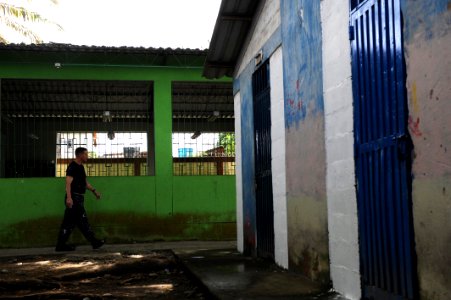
(190, 270)
(97, 275)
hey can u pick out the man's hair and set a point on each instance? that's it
(80, 150)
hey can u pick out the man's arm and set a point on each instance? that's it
(69, 201)
(92, 189)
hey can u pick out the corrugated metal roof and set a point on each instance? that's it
(92, 97)
(56, 47)
(231, 29)
(202, 98)
(87, 97)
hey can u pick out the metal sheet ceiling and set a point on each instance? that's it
(193, 99)
(231, 29)
(40, 98)
(85, 98)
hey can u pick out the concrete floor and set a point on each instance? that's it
(108, 248)
(219, 267)
(229, 275)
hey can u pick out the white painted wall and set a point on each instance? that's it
(267, 22)
(278, 163)
(338, 106)
(238, 170)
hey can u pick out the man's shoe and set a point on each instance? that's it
(63, 248)
(97, 244)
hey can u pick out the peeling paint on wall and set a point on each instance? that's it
(306, 200)
(306, 159)
(308, 238)
(247, 154)
(305, 148)
(301, 34)
(420, 17)
(427, 49)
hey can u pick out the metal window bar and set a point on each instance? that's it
(203, 139)
(356, 3)
(43, 121)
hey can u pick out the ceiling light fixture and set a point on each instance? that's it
(214, 116)
(106, 117)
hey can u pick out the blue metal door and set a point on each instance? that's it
(382, 150)
(263, 174)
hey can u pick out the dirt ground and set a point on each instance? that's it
(97, 275)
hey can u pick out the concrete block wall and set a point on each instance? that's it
(268, 21)
(239, 172)
(427, 48)
(340, 178)
(304, 131)
(278, 162)
(427, 44)
(264, 36)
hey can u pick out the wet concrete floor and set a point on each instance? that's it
(229, 275)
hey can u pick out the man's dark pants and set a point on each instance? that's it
(75, 217)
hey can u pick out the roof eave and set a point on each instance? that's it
(233, 23)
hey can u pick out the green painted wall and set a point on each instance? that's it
(160, 207)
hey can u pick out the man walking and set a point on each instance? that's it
(75, 213)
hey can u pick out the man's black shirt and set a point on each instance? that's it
(78, 173)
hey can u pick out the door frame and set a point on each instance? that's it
(376, 281)
(264, 211)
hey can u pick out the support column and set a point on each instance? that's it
(163, 147)
(2, 155)
(239, 174)
(278, 165)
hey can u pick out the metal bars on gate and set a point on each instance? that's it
(381, 150)
(203, 138)
(263, 175)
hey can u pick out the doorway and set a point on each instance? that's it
(263, 175)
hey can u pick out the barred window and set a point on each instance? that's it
(207, 154)
(44, 121)
(124, 154)
(203, 139)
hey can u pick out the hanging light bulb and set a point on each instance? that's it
(106, 117)
(214, 116)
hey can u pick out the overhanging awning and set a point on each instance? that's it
(231, 29)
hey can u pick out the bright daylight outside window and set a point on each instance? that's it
(44, 121)
(203, 139)
(110, 153)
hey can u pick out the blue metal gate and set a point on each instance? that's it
(263, 175)
(382, 150)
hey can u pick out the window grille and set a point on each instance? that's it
(44, 121)
(125, 155)
(203, 139)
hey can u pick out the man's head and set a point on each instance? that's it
(82, 154)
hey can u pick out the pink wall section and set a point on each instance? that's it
(427, 48)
